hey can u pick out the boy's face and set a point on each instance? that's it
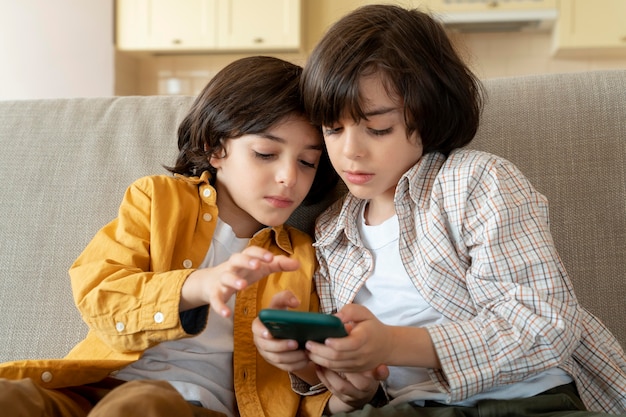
(371, 155)
(262, 178)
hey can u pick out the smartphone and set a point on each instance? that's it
(301, 326)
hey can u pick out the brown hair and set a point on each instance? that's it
(442, 98)
(248, 96)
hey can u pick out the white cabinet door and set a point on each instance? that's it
(182, 25)
(208, 25)
(591, 27)
(259, 25)
(131, 25)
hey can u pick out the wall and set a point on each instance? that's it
(493, 55)
(60, 48)
(64, 48)
(490, 55)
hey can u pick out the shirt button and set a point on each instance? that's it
(206, 192)
(207, 217)
(46, 376)
(187, 263)
(159, 317)
(119, 326)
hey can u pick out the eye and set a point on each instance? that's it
(380, 132)
(264, 156)
(331, 130)
(308, 164)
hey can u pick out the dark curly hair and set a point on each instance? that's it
(442, 98)
(248, 96)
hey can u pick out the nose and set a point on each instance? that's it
(287, 173)
(351, 145)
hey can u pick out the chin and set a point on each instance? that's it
(272, 221)
(359, 192)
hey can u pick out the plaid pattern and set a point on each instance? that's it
(475, 239)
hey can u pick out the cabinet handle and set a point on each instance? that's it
(492, 4)
(257, 40)
(177, 41)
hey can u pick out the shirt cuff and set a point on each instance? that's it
(303, 388)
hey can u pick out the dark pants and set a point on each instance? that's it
(561, 401)
(108, 398)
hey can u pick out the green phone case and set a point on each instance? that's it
(301, 326)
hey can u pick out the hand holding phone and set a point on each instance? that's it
(301, 326)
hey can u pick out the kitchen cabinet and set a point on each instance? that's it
(590, 28)
(493, 15)
(462, 6)
(208, 25)
(254, 25)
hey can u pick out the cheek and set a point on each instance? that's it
(334, 149)
(305, 181)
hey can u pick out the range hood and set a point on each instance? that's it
(499, 20)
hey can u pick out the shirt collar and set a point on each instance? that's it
(202, 179)
(417, 182)
(279, 234)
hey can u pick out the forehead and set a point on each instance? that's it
(294, 130)
(376, 90)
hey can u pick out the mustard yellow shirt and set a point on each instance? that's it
(127, 285)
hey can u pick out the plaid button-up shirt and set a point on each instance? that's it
(475, 240)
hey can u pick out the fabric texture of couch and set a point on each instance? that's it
(66, 164)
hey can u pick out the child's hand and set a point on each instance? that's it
(351, 390)
(368, 344)
(215, 285)
(282, 353)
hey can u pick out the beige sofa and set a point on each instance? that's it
(66, 163)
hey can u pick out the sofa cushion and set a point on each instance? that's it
(66, 163)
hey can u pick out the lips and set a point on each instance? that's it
(279, 202)
(358, 178)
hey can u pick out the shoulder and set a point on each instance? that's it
(471, 167)
(157, 182)
(484, 178)
(168, 195)
(170, 186)
(474, 161)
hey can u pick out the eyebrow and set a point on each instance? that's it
(382, 110)
(282, 140)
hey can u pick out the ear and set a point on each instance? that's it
(216, 158)
(215, 161)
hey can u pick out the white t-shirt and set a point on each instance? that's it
(391, 296)
(200, 367)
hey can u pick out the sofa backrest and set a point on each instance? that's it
(66, 164)
(567, 133)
